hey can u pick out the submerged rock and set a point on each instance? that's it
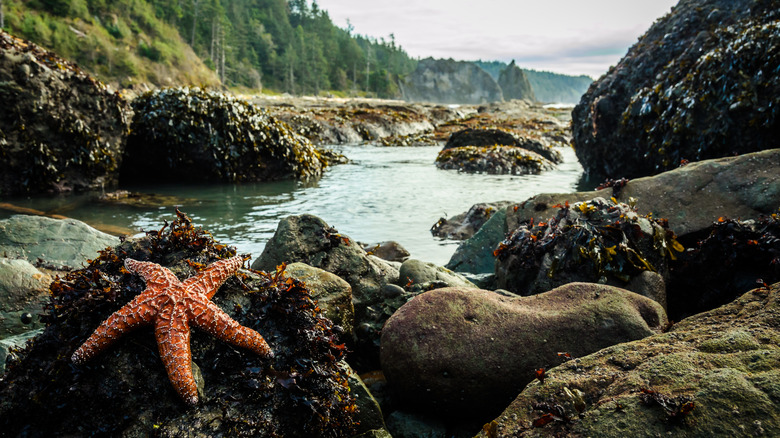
(60, 129)
(468, 352)
(303, 391)
(195, 135)
(699, 84)
(713, 374)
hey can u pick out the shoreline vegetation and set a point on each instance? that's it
(648, 306)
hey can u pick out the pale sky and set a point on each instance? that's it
(565, 36)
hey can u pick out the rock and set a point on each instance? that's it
(195, 135)
(391, 251)
(376, 433)
(690, 197)
(497, 160)
(694, 87)
(500, 137)
(60, 129)
(724, 362)
(60, 244)
(468, 352)
(464, 225)
(302, 391)
(17, 342)
(596, 241)
(410, 425)
(421, 276)
(23, 290)
(514, 83)
(449, 81)
(308, 239)
(333, 294)
(369, 414)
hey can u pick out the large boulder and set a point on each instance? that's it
(302, 391)
(450, 81)
(462, 226)
(60, 129)
(713, 374)
(501, 137)
(498, 160)
(514, 83)
(333, 295)
(697, 85)
(197, 135)
(470, 351)
(60, 244)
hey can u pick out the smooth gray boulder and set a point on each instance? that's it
(23, 292)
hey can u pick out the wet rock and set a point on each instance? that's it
(146, 201)
(514, 83)
(421, 276)
(23, 292)
(498, 160)
(369, 414)
(464, 225)
(694, 87)
(60, 129)
(409, 425)
(10, 345)
(333, 294)
(391, 251)
(595, 241)
(195, 135)
(724, 362)
(500, 137)
(303, 391)
(449, 81)
(468, 352)
(60, 244)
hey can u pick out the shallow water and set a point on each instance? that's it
(388, 193)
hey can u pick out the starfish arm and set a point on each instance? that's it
(154, 274)
(208, 317)
(140, 311)
(209, 280)
(173, 341)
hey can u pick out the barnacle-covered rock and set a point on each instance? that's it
(701, 83)
(303, 391)
(713, 374)
(197, 135)
(597, 241)
(493, 160)
(502, 137)
(60, 129)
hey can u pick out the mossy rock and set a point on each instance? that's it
(196, 135)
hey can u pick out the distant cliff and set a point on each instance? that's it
(546, 86)
(449, 81)
(514, 83)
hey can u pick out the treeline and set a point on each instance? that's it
(286, 46)
(547, 86)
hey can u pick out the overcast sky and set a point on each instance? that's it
(564, 36)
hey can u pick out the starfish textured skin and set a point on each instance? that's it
(172, 306)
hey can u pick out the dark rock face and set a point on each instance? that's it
(701, 83)
(493, 159)
(467, 352)
(500, 137)
(724, 362)
(449, 81)
(514, 83)
(303, 391)
(464, 225)
(60, 129)
(195, 135)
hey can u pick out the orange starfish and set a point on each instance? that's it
(172, 305)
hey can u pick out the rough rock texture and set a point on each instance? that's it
(333, 295)
(195, 135)
(726, 362)
(596, 241)
(303, 391)
(10, 346)
(701, 83)
(514, 83)
(463, 226)
(391, 251)
(449, 81)
(493, 160)
(61, 244)
(60, 129)
(421, 276)
(23, 290)
(470, 351)
(691, 197)
(501, 137)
